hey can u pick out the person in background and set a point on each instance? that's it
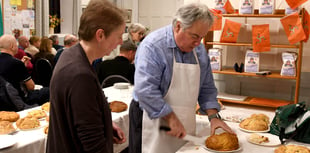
(22, 44)
(34, 46)
(173, 72)
(120, 65)
(15, 72)
(80, 117)
(136, 32)
(69, 40)
(45, 51)
(55, 40)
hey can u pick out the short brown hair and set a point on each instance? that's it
(99, 14)
(33, 39)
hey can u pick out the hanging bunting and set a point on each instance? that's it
(230, 31)
(217, 21)
(306, 24)
(228, 7)
(293, 28)
(261, 38)
(295, 3)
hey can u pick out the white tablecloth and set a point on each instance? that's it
(34, 141)
(203, 130)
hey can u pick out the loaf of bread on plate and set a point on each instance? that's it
(222, 142)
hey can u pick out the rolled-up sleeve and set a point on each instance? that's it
(150, 66)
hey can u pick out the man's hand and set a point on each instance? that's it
(218, 123)
(25, 60)
(118, 134)
(177, 129)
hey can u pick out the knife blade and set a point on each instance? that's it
(196, 140)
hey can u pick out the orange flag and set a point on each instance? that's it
(217, 23)
(293, 28)
(260, 38)
(295, 3)
(306, 25)
(228, 7)
(230, 31)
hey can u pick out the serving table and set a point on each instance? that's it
(34, 141)
(233, 113)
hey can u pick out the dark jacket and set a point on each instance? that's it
(117, 66)
(80, 118)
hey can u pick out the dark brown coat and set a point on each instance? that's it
(80, 118)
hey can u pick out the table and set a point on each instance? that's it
(34, 141)
(235, 111)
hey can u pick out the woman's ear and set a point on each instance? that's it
(100, 34)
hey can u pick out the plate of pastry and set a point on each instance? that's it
(222, 143)
(264, 139)
(253, 131)
(28, 123)
(255, 123)
(7, 141)
(219, 151)
(292, 148)
(6, 127)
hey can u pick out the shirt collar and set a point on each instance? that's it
(170, 41)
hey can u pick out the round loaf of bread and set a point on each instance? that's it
(292, 149)
(28, 123)
(223, 142)
(118, 106)
(6, 127)
(9, 116)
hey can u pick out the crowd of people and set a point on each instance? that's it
(169, 67)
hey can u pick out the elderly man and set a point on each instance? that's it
(121, 64)
(23, 43)
(15, 72)
(69, 40)
(173, 72)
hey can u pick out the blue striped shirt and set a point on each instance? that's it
(154, 64)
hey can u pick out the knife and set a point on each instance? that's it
(196, 140)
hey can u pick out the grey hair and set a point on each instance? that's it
(68, 39)
(135, 27)
(190, 13)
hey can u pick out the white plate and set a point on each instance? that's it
(273, 140)
(251, 131)
(7, 141)
(121, 85)
(240, 148)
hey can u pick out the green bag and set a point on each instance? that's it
(292, 122)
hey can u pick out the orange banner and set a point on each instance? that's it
(217, 23)
(293, 28)
(230, 31)
(261, 38)
(228, 7)
(306, 24)
(295, 3)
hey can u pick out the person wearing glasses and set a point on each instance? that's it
(173, 73)
(136, 32)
